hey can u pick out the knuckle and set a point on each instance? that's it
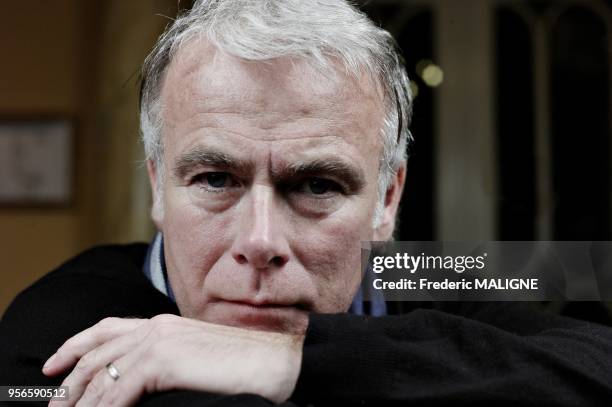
(84, 365)
(147, 372)
(162, 318)
(108, 322)
(88, 365)
(110, 397)
(162, 325)
(94, 386)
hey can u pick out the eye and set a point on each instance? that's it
(215, 181)
(319, 186)
(316, 196)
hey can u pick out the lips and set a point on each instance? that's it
(261, 315)
(263, 304)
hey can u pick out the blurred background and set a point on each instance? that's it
(511, 120)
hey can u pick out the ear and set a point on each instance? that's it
(385, 229)
(157, 213)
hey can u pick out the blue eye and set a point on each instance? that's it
(216, 179)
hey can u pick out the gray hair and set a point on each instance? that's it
(317, 31)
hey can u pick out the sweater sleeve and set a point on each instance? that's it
(189, 398)
(507, 354)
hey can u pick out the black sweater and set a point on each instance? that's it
(437, 354)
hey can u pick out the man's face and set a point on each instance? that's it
(270, 185)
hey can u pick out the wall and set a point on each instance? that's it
(78, 60)
(41, 74)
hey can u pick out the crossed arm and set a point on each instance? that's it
(427, 356)
(480, 353)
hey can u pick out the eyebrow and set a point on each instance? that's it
(340, 170)
(200, 156)
(349, 175)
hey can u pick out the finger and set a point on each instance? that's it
(127, 390)
(74, 348)
(100, 384)
(94, 361)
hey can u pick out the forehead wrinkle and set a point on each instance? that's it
(271, 138)
(240, 105)
(207, 105)
(214, 125)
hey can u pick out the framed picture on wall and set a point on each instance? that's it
(36, 161)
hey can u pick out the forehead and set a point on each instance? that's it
(272, 100)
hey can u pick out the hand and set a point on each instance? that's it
(171, 352)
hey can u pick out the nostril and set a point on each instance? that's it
(241, 259)
(278, 261)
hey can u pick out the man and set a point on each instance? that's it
(276, 134)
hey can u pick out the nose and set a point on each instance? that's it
(261, 241)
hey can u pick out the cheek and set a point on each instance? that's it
(194, 240)
(331, 252)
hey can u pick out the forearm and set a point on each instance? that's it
(431, 356)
